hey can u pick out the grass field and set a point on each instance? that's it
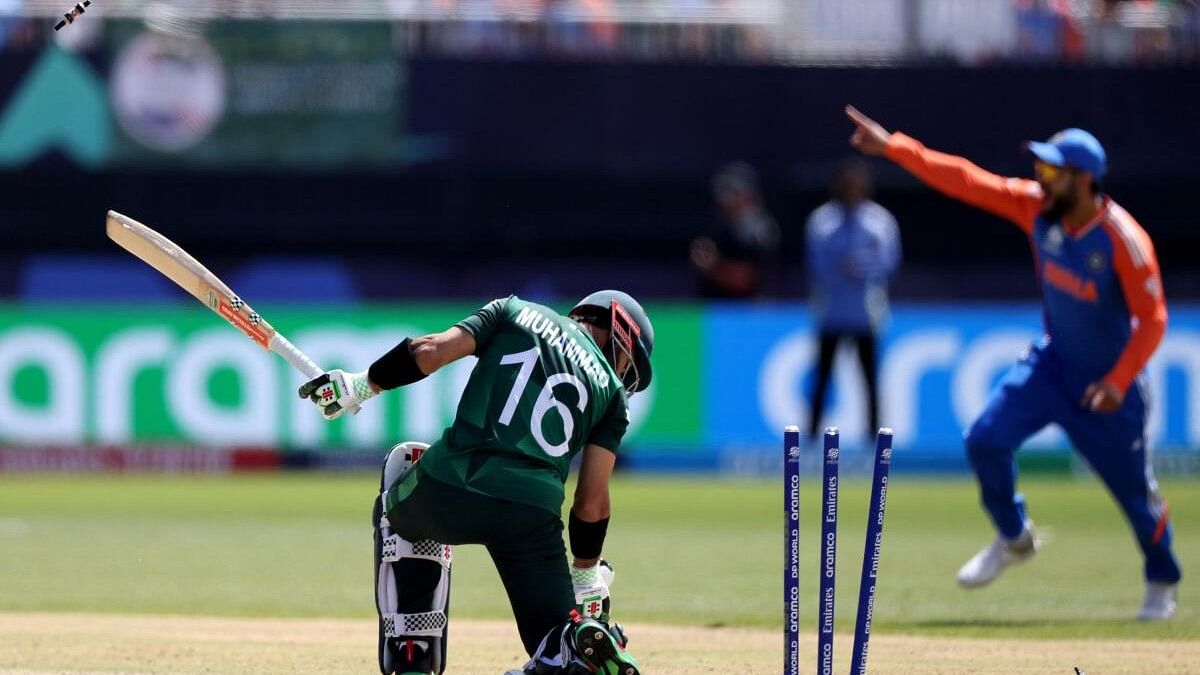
(688, 552)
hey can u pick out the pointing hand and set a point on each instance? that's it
(868, 137)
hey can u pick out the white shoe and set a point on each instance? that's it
(986, 565)
(1159, 603)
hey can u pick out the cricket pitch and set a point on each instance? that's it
(75, 644)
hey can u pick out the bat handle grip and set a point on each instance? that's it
(292, 354)
(299, 360)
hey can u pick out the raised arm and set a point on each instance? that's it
(431, 352)
(410, 361)
(1015, 199)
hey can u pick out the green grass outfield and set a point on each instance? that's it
(686, 551)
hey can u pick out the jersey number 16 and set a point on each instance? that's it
(545, 401)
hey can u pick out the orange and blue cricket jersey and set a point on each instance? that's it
(1104, 315)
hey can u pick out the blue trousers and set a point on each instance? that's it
(1038, 391)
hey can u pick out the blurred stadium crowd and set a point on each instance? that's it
(815, 31)
(760, 31)
(511, 131)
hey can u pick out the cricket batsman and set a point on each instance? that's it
(1104, 315)
(545, 389)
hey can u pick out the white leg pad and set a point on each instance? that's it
(431, 623)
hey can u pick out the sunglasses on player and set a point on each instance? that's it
(1048, 172)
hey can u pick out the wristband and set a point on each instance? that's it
(587, 539)
(395, 368)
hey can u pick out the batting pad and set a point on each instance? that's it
(418, 570)
(430, 623)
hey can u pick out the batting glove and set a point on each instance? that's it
(337, 391)
(591, 590)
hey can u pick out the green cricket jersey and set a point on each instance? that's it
(540, 392)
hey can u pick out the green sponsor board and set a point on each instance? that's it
(675, 399)
(179, 374)
(302, 94)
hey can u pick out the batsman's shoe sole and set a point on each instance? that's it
(599, 650)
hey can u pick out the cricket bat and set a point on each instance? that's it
(177, 265)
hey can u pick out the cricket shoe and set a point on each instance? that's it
(1159, 602)
(986, 565)
(601, 648)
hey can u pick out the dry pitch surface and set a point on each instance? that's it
(42, 643)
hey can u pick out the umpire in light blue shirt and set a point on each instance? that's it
(853, 249)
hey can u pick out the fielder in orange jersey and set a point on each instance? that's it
(1104, 315)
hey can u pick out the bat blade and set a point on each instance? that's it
(179, 266)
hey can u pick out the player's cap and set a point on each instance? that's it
(1074, 148)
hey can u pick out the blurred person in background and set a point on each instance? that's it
(546, 388)
(739, 254)
(1144, 26)
(1104, 315)
(853, 249)
(1049, 30)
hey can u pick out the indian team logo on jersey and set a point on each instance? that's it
(1096, 262)
(1053, 241)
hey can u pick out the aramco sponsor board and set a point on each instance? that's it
(727, 378)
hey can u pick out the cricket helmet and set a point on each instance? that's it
(629, 330)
